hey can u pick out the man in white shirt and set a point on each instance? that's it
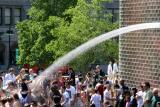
(65, 98)
(107, 95)
(96, 99)
(115, 70)
(140, 95)
(109, 70)
(71, 92)
(115, 67)
(9, 77)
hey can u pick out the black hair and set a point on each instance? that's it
(34, 103)
(78, 94)
(70, 69)
(24, 86)
(1, 78)
(147, 84)
(92, 105)
(96, 91)
(90, 85)
(54, 88)
(9, 99)
(64, 87)
(134, 91)
(15, 96)
(12, 83)
(68, 82)
(56, 96)
(107, 82)
(26, 71)
(101, 81)
(89, 74)
(3, 101)
(80, 79)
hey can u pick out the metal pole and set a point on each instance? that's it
(9, 47)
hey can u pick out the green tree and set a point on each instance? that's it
(50, 35)
(35, 33)
(88, 21)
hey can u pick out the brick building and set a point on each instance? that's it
(140, 50)
(11, 11)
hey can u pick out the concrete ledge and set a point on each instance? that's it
(13, 2)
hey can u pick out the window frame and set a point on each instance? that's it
(7, 16)
(17, 16)
(0, 16)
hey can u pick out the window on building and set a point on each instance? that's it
(0, 15)
(7, 16)
(17, 15)
(2, 50)
(116, 15)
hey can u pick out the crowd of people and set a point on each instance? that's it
(94, 89)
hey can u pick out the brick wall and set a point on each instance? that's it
(140, 50)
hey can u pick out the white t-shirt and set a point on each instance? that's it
(106, 95)
(8, 78)
(115, 68)
(96, 99)
(144, 94)
(71, 92)
(77, 83)
(66, 99)
(140, 95)
(109, 69)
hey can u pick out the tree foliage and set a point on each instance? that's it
(55, 28)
